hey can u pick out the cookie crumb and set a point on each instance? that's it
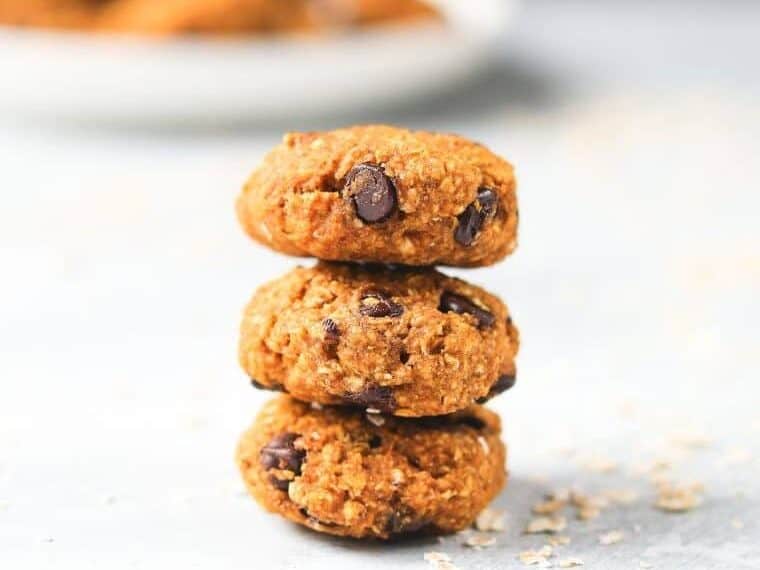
(570, 563)
(621, 496)
(549, 506)
(676, 499)
(490, 520)
(560, 540)
(612, 537)
(439, 560)
(550, 524)
(480, 541)
(536, 557)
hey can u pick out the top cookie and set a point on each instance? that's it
(383, 194)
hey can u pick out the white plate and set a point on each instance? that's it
(98, 78)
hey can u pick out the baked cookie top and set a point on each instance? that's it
(406, 341)
(383, 194)
(348, 473)
(175, 17)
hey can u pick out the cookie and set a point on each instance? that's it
(383, 194)
(406, 341)
(170, 17)
(344, 472)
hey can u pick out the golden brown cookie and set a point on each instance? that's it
(383, 194)
(407, 341)
(169, 17)
(344, 472)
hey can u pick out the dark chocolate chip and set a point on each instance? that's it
(378, 397)
(462, 305)
(504, 383)
(403, 520)
(475, 215)
(372, 192)
(258, 385)
(377, 303)
(281, 484)
(403, 356)
(331, 330)
(375, 441)
(280, 453)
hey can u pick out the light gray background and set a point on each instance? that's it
(634, 128)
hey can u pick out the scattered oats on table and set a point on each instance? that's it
(612, 537)
(536, 557)
(549, 524)
(678, 498)
(480, 541)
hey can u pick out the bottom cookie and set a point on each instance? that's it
(345, 472)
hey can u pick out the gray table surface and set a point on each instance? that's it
(635, 131)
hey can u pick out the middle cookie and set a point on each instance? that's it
(406, 341)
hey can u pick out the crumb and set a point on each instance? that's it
(549, 524)
(439, 560)
(612, 537)
(374, 419)
(531, 557)
(490, 520)
(676, 499)
(549, 506)
(621, 496)
(560, 540)
(570, 562)
(587, 513)
(480, 541)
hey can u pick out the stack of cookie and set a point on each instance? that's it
(384, 360)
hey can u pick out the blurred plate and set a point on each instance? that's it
(106, 78)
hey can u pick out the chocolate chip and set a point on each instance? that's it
(378, 397)
(258, 385)
(331, 330)
(280, 453)
(377, 303)
(404, 520)
(451, 302)
(504, 383)
(475, 215)
(403, 356)
(281, 484)
(375, 441)
(372, 192)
